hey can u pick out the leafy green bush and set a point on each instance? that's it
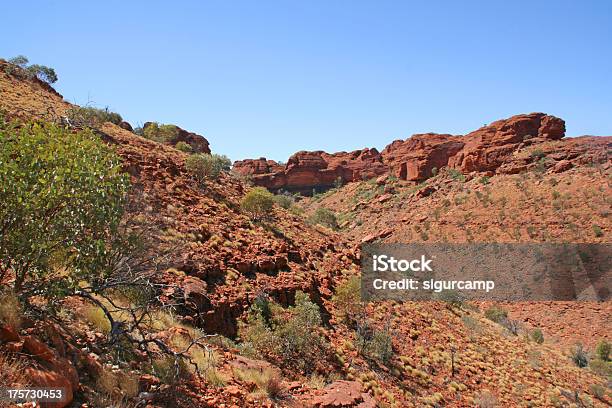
(88, 116)
(19, 66)
(61, 200)
(537, 336)
(207, 166)
(184, 147)
(602, 350)
(258, 203)
(496, 314)
(160, 133)
(325, 217)
(289, 337)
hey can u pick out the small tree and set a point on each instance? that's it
(19, 66)
(258, 203)
(61, 199)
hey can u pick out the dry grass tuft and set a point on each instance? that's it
(10, 310)
(267, 381)
(95, 315)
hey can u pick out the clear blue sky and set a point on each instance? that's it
(268, 78)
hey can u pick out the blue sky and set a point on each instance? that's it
(268, 78)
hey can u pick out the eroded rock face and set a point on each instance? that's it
(413, 159)
(488, 147)
(317, 170)
(251, 167)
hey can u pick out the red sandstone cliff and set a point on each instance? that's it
(483, 150)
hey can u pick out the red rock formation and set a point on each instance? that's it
(250, 167)
(488, 147)
(415, 158)
(318, 170)
(485, 149)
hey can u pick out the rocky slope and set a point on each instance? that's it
(220, 262)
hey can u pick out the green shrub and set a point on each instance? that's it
(602, 368)
(484, 180)
(434, 171)
(453, 298)
(347, 298)
(18, 66)
(602, 350)
(184, 147)
(597, 231)
(373, 343)
(325, 217)
(289, 337)
(258, 203)
(88, 116)
(160, 133)
(537, 154)
(456, 175)
(207, 166)
(579, 356)
(537, 336)
(61, 201)
(496, 314)
(284, 201)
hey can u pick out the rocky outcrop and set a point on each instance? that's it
(483, 150)
(198, 143)
(488, 147)
(250, 167)
(316, 170)
(416, 157)
(53, 370)
(413, 159)
(343, 393)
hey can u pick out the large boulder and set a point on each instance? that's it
(343, 393)
(485, 149)
(488, 147)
